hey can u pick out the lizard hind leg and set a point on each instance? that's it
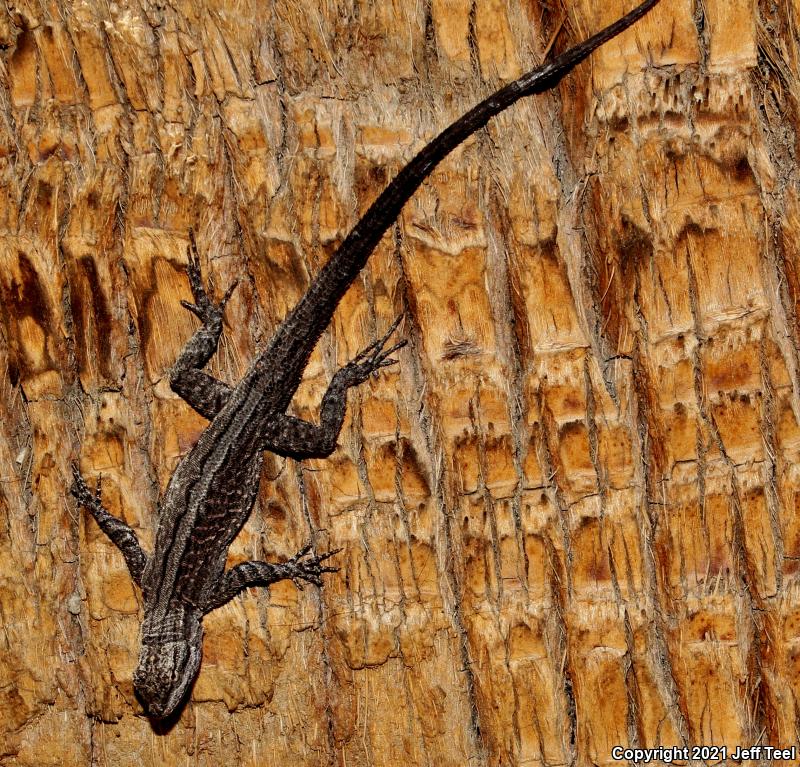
(298, 439)
(203, 392)
(121, 535)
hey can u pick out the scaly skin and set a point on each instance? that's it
(213, 488)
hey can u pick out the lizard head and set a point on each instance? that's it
(169, 659)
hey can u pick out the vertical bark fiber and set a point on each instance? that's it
(569, 517)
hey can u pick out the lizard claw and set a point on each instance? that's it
(203, 307)
(302, 567)
(372, 358)
(80, 490)
(364, 353)
(228, 294)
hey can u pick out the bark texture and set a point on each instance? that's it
(569, 517)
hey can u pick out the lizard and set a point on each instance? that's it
(213, 489)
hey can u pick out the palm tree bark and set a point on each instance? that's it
(567, 516)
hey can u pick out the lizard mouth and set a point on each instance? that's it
(165, 675)
(157, 702)
(158, 710)
(160, 703)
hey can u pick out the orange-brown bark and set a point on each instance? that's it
(569, 516)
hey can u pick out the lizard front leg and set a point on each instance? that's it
(300, 567)
(203, 392)
(120, 534)
(294, 438)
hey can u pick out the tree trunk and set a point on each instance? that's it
(567, 516)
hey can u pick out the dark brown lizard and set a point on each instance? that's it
(212, 491)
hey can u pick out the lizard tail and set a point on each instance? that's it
(315, 309)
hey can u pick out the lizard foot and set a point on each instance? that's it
(302, 567)
(372, 358)
(203, 307)
(120, 533)
(81, 492)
